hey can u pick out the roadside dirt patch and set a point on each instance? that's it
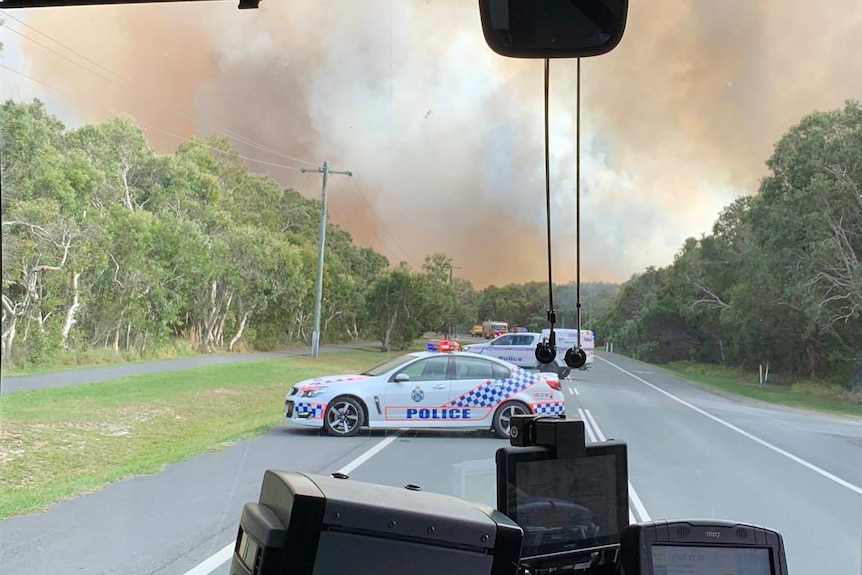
(102, 427)
(11, 445)
(141, 413)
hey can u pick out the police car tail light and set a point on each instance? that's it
(553, 381)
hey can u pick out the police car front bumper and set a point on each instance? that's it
(292, 416)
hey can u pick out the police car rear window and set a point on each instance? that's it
(501, 372)
(473, 368)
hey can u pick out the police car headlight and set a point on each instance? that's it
(314, 392)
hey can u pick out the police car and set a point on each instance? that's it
(520, 349)
(425, 390)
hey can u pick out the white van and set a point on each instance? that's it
(567, 338)
(520, 349)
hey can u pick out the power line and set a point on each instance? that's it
(380, 240)
(152, 101)
(149, 126)
(380, 220)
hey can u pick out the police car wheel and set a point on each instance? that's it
(504, 414)
(343, 417)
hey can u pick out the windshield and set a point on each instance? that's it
(388, 366)
(204, 206)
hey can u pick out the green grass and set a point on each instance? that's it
(96, 357)
(56, 443)
(811, 395)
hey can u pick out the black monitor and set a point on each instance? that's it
(701, 547)
(564, 505)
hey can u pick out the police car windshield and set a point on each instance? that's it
(164, 172)
(388, 366)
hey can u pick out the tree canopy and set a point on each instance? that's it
(778, 280)
(107, 244)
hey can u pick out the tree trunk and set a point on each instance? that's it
(218, 336)
(9, 338)
(328, 319)
(70, 320)
(116, 344)
(10, 313)
(209, 322)
(127, 195)
(27, 329)
(239, 330)
(810, 361)
(387, 337)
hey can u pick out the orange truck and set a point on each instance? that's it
(494, 328)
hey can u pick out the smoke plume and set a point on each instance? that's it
(445, 137)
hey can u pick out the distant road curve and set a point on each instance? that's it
(69, 377)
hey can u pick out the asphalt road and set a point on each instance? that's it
(107, 372)
(692, 453)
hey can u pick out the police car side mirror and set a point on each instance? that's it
(401, 378)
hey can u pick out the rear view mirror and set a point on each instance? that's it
(402, 378)
(553, 28)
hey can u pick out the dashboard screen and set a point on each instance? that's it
(566, 504)
(717, 560)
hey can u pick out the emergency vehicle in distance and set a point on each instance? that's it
(425, 390)
(520, 349)
(494, 328)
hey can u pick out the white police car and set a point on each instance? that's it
(520, 349)
(426, 390)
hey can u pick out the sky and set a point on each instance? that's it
(444, 137)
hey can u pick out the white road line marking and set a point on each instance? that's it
(595, 425)
(369, 454)
(575, 389)
(764, 443)
(639, 512)
(220, 557)
(587, 427)
(638, 504)
(214, 561)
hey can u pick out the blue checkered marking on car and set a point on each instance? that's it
(316, 409)
(549, 408)
(493, 391)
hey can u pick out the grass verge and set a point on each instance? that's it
(95, 357)
(811, 395)
(57, 443)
